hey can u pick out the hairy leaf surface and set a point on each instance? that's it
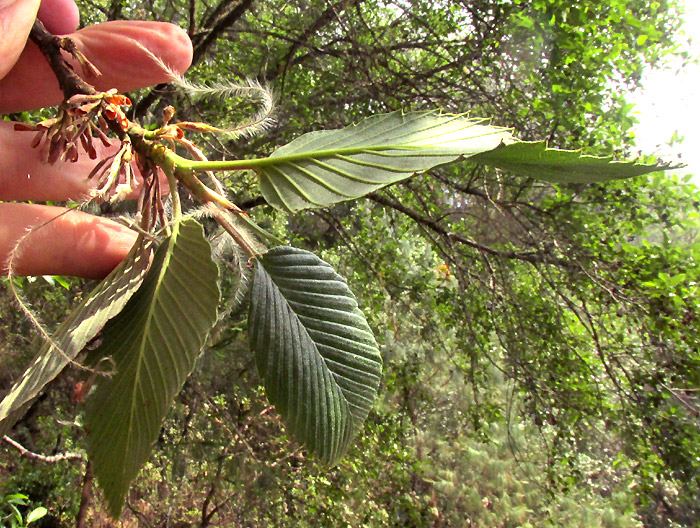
(314, 349)
(83, 323)
(153, 342)
(535, 160)
(325, 167)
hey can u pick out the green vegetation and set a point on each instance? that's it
(539, 340)
(13, 517)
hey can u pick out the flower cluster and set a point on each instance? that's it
(115, 180)
(78, 121)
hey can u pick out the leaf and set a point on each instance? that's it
(36, 514)
(535, 160)
(17, 498)
(154, 342)
(84, 322)
(330, 166)
(325, 167)
(314, 349)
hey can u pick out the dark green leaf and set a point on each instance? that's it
(314, 349)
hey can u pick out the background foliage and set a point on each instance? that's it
(540, 342)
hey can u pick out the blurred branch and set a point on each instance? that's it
(531, 257)
(43, 458)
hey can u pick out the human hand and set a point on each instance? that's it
(75, 244)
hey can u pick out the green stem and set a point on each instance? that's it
(177, 205)
(178, 169)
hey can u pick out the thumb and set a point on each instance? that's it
(16, 20)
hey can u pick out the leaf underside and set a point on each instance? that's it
(83, 324)
(330, 166)
(535, 160)
(325, 167)
(153, 342)
(314, 350)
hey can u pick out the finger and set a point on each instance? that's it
(23, 176)
(16, 19)
(75, 244)
(59, 16)
(115, 48)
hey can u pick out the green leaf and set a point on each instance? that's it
(325, 167)
(535, 160)
(15, 513)
(84, 322)
(14, 500)
(62, 282)
(153, 342)
(314, 349)
(36, 514)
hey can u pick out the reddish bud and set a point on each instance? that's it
(71, 154)
(110, 111)
(56, 149)
(80, 391)
(100, 132)
(168, 113)
(117, 99)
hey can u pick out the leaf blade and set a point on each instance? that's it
(104, 302)
(536, 160)
(325, 167)
(154, 343)
(314, 350)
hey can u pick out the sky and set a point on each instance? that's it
(670, 102)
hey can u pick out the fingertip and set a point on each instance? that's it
(177, 52)
(122, 50)
(60, 17)
(16, 20)
(136, 43)
(50, 241)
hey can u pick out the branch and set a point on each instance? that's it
(70, 82)
(223, 23)
(51, 46)
(23, 451)
(85, 495)
(192, 27)
(325, 18)
(200, 49)
(532, 258)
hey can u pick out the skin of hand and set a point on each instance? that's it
(77, 243)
